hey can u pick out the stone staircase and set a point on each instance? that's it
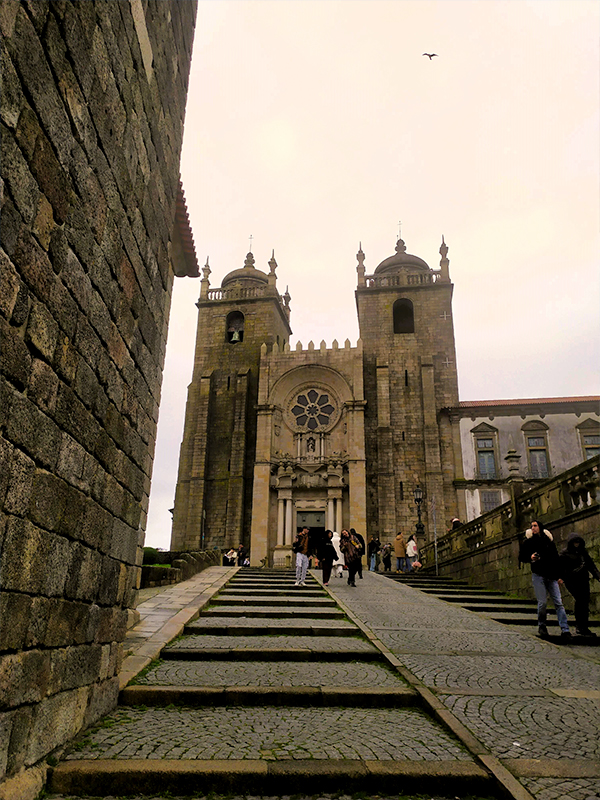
(271, 690)
(495, 605)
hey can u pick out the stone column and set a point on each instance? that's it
(289, 533)
(338, 515)
(280, 521)
(331, 513)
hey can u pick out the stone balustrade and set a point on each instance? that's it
(485, 550)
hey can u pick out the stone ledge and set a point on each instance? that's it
(553, 767)
(126, 777)
(269, 695)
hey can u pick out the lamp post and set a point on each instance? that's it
(418, 495)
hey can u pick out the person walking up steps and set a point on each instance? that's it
(301, 550)
(576, 566)
(539, 550)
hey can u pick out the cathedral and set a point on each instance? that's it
(277, 438)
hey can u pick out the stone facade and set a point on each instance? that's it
(329, 437)
(93, 102)
(544, 437)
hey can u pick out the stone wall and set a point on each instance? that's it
(485, 551)
(93, 102)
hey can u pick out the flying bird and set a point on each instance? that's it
(430, 55)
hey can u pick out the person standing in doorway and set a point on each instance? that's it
(400, 552)
(359, 538)
(539, 550)
(576, 566)
(301, 550)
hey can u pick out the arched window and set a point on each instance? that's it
(235, 327)
(404, 317)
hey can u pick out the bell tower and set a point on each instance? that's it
(410, 379)
(214, 483)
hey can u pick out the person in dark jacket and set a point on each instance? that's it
(327, 554)
(539, 550)
(351, 548)
(359, 537)
(373, 547)
(576, 566)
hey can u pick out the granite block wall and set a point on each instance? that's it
(92, 111)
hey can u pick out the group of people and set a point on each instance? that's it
(406, 553)
(236, 558)
(347, 549)
(572, 568)
(347, 546)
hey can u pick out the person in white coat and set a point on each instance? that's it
(412, 551)
(338, 569)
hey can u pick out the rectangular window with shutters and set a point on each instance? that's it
(489, 501)
(486, 458)
(537, 454)
(591, 445)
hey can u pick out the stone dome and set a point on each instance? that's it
(401, 259)
(247, 276)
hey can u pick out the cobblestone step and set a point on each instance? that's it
(274, 735)
(302, 591)
(273, 600)
(230, 626)
(348, 675)
(108, 777)
(275, 612)
(500, 608)
(479, 599)
(288, 696)
(271, 648)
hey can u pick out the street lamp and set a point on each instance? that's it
(418, 495)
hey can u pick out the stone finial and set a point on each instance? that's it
(443, 248)
(298, 347)
(512, 458)
(205, 283)
(400, 246)
(360, 269)
(323, 347)
(334, 344)
(249, 262)
(287, 297)
(311, 345)
(263, 349)
(445, 262)
(272, 263)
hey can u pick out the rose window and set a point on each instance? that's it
(312, 410)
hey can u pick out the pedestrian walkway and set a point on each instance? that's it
(302, 701)
(396, 689)
(533, 706)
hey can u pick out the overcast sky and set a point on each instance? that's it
(315, 124)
